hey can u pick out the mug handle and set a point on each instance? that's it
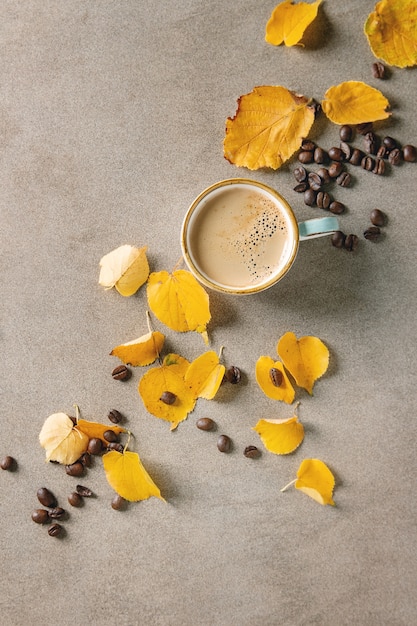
(318, 227)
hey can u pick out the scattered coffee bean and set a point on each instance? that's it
(251, 452)
(323, 200)
(346, 149)
(310, 197)
(390, 143)
(368, 163)
(335, 169)
(371, 143)
(344, 179)
(346, 132)
(55, 530)
(57, 513)
(395, 156)
(224, 443)
(40, 516)
(75, 499)
(118, 503)
(356, 156)
(118, 447)
(320, 156)
(379, 168)
(308, 145)
(8, 463)
(46, 498)
(111, 436)
(85, 459)
(300, 173)
(315, 181)
(378, 70)
(409, 153)
(276, 376)
(337, 207)
(115, 417)
(364, 128)
(205, 423)
(168, 397)
(323, 172)
(121, 372)
(233, 375)
(95, 446)
(351, 242)
(338, 239)
(305, 156)
(372, 233)
(382, 152)
(378, 218)
(85, 492)
(301, 187)
(76, 469)
(336, 154)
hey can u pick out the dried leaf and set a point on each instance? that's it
(94, 430)
(125, 268)
(280, 436)
(391, 30)
(205, 374)
(142, 351)
(268, 127)
(179, 301)
(177, 363)
(289, 21)
(316, 480)
(62, 441)
(354, 102)
(127, 476)
(306, 359)
(285, 392)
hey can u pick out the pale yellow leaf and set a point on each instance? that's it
(61, 440)
(126, 268)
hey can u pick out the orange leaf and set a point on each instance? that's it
(289, 21)
(280, 436)
(354, 102)
(285, 391)
(391, 30)
(95, 430)
(268, 127)
(307, 359)
(127, 476)
(142, 351)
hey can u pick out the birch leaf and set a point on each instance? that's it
(280, 436)
(391, 30)
(125, 268)
(268, 127)
(307, 359)
(63, 442)
(94, 430)
(354, 102)
(289, 21)
(142, 351)
(205, 375)
(128, 477)
(285, 391)
(316, 480)
(176, 363)
(179, 301)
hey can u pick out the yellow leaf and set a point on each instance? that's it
(205, 375)
(160, 380)
(268, 127)
(285, 392)
(306, 359)
(280, 436)
(354, 102)
(391, 30)
(316, 480)
(125, 268)
(142, 351)
(62, 441)
(179, 301)
(127, 476)
(177, 363)
(95, 430)
(289, 21)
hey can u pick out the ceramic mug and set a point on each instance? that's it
(240, 236)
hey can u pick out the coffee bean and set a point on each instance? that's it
(336, 207)
(8, 463)
(75, 499)
(338, 239)
(364, 128)
(356, 156)
(379, 168)
(351, 242)
(251, 452)
(40, 516)
(410, 153)
(372, 233)
(95, 446)
(315, 181)
(55, 530)
(378, 70)
(344, 179)
(85, 459)
(336, 154)
(323, 200)
(118, 503)
(320, 156)
(368, 163)
(308, 145)
(301, 187)
(168, 397)
(305, 156)
(300, 174)
(276, 376)
(224, 443)
(310, 197)
(46, 498)
(378, 218)
(371, 143)
(85, 492)
(323, 172)
(121, 372)
(395, 156)
(233, 375)
(335, 169)
(390, 143)
(57, 513)
(118, 447)
(382, 152)
(111, 436)
(115, 417)
(346, 132)
(346, 149)
(205, 423)
(76, 469)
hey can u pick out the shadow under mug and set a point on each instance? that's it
(240, 236)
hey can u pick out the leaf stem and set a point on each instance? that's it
(289, 484)
(128, 441)
(77, 412)
(178, 264)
